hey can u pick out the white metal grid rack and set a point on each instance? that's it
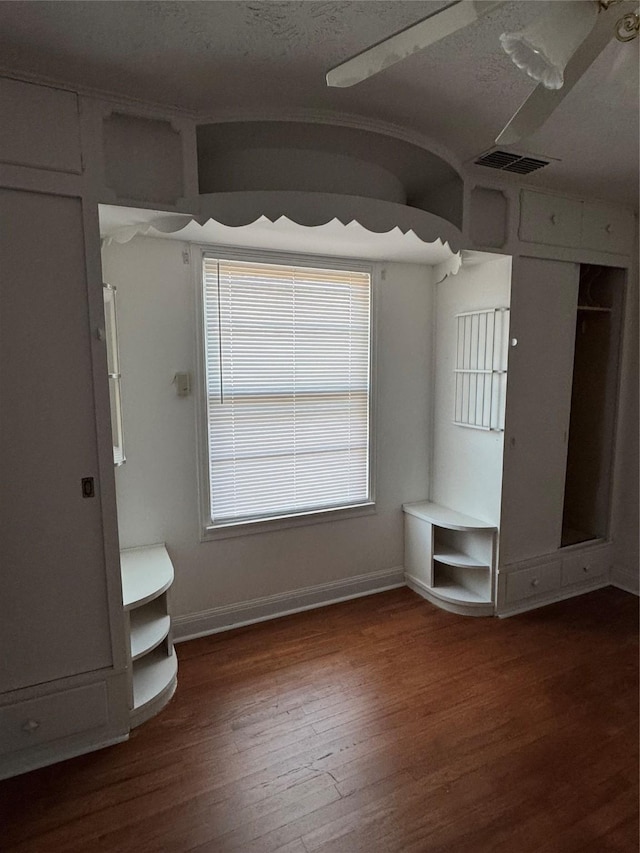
(480, 371)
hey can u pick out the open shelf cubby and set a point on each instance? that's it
(147, 575)
(450, 557)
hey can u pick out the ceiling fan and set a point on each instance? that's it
(555, 50)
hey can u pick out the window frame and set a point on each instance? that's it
(208, 529)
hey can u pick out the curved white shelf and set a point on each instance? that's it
(148, 628)
(458, 594)
(154, 678)
(439, 542)
(452, 597)
(459, 560)
(147, 572)
(442, 516)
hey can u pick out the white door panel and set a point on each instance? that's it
(53, 598)
(544, 297)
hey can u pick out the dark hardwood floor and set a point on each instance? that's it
(380, 724)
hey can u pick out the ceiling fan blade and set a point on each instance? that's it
(537, 108)
(429, 30)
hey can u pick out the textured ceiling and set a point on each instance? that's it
(256, 59)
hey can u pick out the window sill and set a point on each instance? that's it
(247, 528)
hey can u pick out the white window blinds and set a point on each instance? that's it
(287, 378)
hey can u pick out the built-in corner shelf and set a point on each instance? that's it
(450, 558)
(147, 575)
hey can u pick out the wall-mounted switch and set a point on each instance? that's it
(182, 381)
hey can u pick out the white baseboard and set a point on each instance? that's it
(628, 581)
(270, 607)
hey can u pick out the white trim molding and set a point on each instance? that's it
(242, 613)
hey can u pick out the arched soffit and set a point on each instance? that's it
(322, 159)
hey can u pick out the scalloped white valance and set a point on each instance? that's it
(320, 223)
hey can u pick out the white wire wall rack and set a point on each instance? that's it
(481, 368)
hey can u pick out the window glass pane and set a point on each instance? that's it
(287, 380)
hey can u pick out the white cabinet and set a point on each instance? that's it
(587, 565)
(551, 577)
(536, 580)
(52, 533)
(34, 722)
(449, 558)
(561, 407)
(552, 220)
(147, 575)
(60, 615)
(543, 321)
(41, 127)
(607, 229)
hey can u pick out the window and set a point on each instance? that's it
(287, 354)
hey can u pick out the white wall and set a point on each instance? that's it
(625, 503)
(467, 463)
(157, 490)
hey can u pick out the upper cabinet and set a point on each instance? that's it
(551, 220)
(607, 229)
(41, 127)
(557, 221)
(143, 159)
(139, 156)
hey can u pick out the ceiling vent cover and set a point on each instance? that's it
(508, 161)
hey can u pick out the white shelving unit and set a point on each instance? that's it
(450, 558)
(147, 575)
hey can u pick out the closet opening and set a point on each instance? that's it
(593, 404)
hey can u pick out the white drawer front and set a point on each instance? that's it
(586, 566)
(533, 581)
(607, 229)
(550, 219)
(48, 718)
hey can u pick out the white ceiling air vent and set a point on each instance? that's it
(508, 161)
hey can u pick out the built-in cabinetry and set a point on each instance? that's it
(545, 483)
(450, 541)
(69, 683)
(65, 685)
(569, 571)
(62, 667)
(147, 575)
(560, 431)
(450, 558)
(553, 220)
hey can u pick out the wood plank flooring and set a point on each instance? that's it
(380, 724)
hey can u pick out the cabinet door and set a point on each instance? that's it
(552, 220)
(544, 296)
(53, 597)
